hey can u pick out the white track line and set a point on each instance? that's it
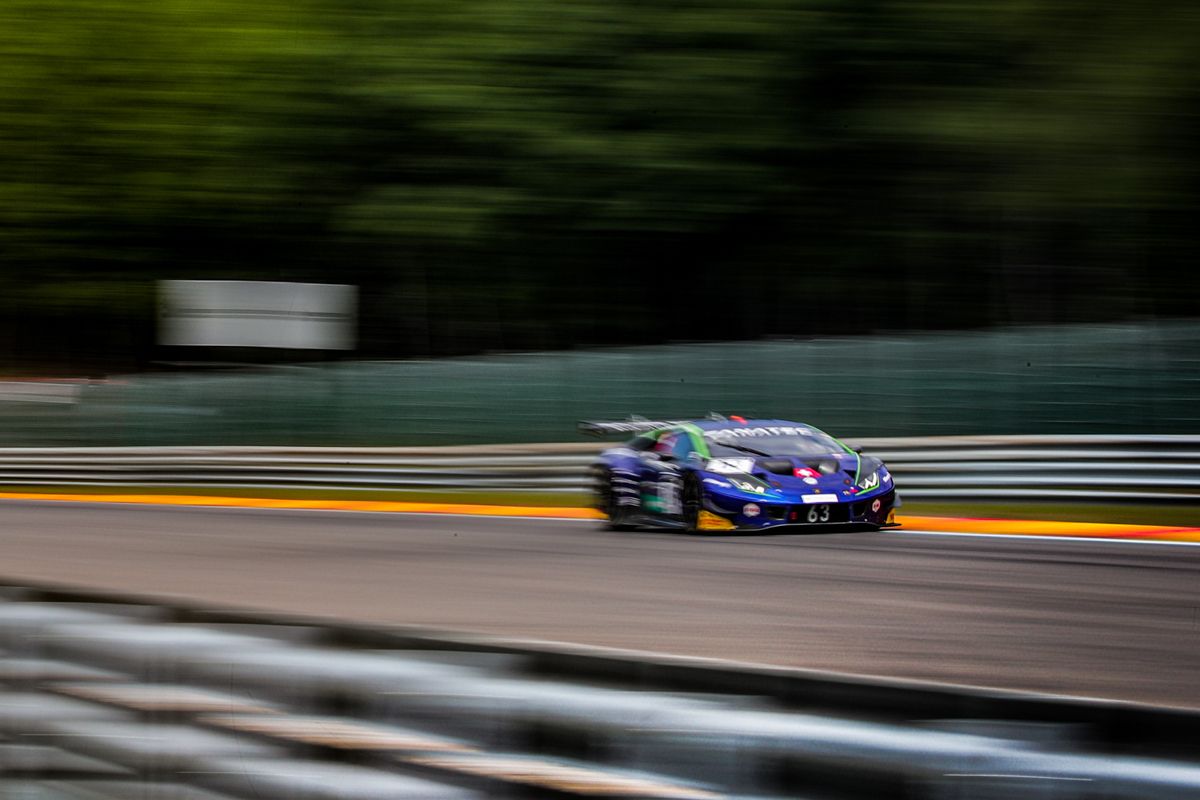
(1046, 538)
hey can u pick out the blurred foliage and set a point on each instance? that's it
(520, 175)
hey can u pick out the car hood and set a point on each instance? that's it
(796, 476)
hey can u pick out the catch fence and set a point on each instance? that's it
(1091, 379)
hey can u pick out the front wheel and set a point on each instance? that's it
(692, 502)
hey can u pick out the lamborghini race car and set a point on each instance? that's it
(737, 474)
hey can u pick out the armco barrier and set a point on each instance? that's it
(107, 696)
(1152, 468)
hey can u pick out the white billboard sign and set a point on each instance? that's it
(313, 316)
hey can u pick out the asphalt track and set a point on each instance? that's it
(1113, 619)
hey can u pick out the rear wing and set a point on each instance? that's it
(625, 427)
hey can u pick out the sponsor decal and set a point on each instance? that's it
(819, 498)
(727, 466)
(715, 482)
(751, 510)
(753, 488)
(805, 472)
(709, 521)
(875, 505)
(669, 491)
(652, 503)
(783, 430)
(811, 481)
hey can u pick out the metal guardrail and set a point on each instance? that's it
(106, 696)
(1152, 468)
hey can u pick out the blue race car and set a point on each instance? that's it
(726, 474)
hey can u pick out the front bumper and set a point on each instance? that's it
(726, 512)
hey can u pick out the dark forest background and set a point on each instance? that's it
(512, 175)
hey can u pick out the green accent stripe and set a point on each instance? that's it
(697, 439)
(857, 457)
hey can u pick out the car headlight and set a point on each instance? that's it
(752, 485)
(874, 479)
(730, 466)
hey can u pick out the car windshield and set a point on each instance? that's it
(770, 442)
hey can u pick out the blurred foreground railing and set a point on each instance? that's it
(107, 697)
(1152, 468)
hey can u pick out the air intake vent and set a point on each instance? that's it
(780, 466)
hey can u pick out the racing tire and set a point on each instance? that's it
(618, 517)
(692, 503)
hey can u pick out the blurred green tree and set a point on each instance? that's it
(512, 175)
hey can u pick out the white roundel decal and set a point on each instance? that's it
(875, 506)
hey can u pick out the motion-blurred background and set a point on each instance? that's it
(962, 235)
(511, 176)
